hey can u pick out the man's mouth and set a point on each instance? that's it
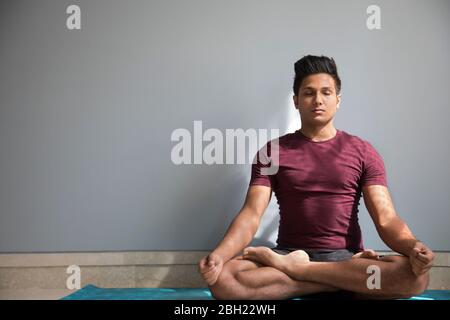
(318, 110)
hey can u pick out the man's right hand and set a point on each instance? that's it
(210, 268)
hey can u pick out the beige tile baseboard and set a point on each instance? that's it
(131, 269)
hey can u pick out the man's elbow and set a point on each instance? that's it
(389, 225)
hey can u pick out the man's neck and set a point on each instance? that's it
(318, 134)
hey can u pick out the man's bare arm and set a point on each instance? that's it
(391, 228)
(244, 226)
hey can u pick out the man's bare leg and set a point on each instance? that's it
(244, 279)
(397, 278)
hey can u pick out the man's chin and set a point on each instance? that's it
(318, 121)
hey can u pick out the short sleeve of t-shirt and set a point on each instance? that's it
(373, 168)
(260, 161)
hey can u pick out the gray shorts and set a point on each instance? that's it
(319, 255)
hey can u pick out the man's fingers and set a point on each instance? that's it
(415, 264)
(428, 254)
(207, 269)
(204, 262)
(425, 260)
(204, 266)
(420, 261)
(211, 279)
(419, 269)
(415, 268)
(203, 269)
(428, 266)
(423, 257)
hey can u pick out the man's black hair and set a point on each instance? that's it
(315, 64)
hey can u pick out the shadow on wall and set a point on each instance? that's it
(226, 188)
(268, 230)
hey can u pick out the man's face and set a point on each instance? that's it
(317, 100)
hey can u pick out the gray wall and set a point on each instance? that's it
(86, 115)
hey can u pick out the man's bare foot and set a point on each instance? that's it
(268, 257)
(367, 254)
(263, 255)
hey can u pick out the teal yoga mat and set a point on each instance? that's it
(91, 292)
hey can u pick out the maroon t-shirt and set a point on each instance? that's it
(318, 187)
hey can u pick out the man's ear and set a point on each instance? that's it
(295, 98)
(338, 101)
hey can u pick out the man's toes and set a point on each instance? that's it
(251, 253)
(357, 255)
(255, 250)
(367, 254)
(371, 254)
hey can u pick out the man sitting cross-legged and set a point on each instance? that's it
(321, 174)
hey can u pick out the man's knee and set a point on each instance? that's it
(227, 286)
(420, 284)
(403, 280)
(221, 288)
(414, 286)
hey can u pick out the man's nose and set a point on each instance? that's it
(318, 99)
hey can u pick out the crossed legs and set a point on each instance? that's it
(264, 274)
(244, 279)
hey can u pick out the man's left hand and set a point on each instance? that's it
(421, 258)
